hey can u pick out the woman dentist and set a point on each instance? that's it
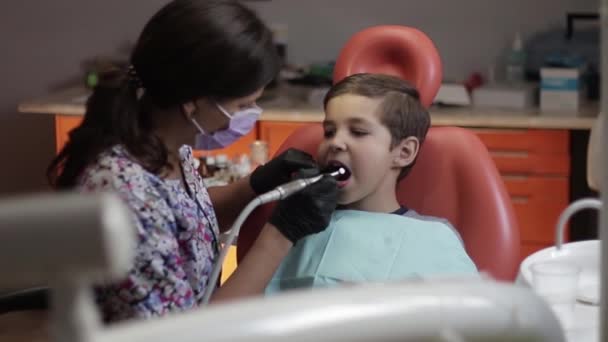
(196, 71)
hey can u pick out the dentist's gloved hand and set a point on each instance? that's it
(280, 170)
(308, 211)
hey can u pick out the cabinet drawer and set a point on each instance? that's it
(538, 188)
(65, 123)
(531, 164)
(537, 219)
(528, 151)
(530, 141)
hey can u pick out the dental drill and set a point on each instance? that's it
(279, 193)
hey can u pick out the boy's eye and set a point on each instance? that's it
(358, 132)
(328, 132)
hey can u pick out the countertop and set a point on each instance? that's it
(71, 102)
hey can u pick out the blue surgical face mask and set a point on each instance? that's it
(241, 123)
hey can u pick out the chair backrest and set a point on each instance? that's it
(400, 51)
(454, 178)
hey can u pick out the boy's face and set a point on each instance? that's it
(355, 137)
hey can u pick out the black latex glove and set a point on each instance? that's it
(279, 170)
(308, 211)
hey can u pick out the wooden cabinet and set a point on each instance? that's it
(65, 123)
(535, 166)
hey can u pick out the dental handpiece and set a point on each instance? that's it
(288, 189)
(278, 193)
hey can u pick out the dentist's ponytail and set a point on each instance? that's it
(113, 116)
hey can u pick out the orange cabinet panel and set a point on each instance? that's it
(524, 163)
(528, 151)
(535, 166)
(537, 219)
(275, 133)
(63, 125)
(532, 141)
(537, 187)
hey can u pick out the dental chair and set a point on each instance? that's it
(454, 177)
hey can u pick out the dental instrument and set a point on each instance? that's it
(279, 193)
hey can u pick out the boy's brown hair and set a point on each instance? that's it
(400, 111)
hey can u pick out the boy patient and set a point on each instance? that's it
(374, 127)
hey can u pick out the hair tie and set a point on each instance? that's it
(133, 78)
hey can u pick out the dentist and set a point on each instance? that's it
(195, 75)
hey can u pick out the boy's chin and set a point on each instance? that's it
(344, 199)
(343, 203)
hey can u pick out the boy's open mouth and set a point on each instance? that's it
(333, 166)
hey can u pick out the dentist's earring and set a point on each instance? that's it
(188, 109)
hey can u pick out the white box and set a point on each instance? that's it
(560, 101)
(452, 94)
(507, 96)
(561, 89)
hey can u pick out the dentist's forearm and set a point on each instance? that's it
(257, 268)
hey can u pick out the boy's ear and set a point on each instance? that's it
(406, 152)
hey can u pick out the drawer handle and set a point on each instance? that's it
(511, 154)
(515, 176)
(520, 199)
(499, 131)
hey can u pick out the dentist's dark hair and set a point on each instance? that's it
(189, 49)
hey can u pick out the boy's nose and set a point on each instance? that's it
(337, 144)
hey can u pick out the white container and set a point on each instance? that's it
(560, 90)
(507, 96)
(452, 94)
(557, 283)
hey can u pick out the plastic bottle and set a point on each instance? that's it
(222, 171)
(242, 166)
(202, 167)
(516, 61)
(211, 166)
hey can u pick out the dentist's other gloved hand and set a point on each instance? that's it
(280, 170)
(308, 211)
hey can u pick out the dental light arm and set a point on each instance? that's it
(70, 242)
(445, 310)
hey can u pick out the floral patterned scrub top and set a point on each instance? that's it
(177, 236)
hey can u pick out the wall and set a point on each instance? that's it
(470, 34)
(43, 43)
